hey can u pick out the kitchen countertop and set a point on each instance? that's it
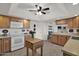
(4, 36)
(1, 36)
(71, 47)
(68, 34)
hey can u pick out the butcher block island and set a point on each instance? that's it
(33, 44)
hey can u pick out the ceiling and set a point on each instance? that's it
(57, 10)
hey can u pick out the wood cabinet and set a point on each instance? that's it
(5, 44)
(60, 22)
(62, 39)
(76, 22)
(26, 23)
(54, 39)
(0, 45)
(59, 39)
(70, 23)
(73, 23)
(4, 22)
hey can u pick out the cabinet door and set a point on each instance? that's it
(0, 45)
(61, 22)
(4, 22)
(77, 22)
(73, 23)
(50, 39)
(59, 39)
(70, 23)
(54, 39)
(64, 40)
(6, 45)
(26, 23)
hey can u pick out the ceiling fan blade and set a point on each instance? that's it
(45, 9)
(43, 12)
(32, 10)
(40, 8)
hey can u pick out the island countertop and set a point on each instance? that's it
(68, 34)
(71, 47)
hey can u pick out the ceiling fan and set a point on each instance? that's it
(39, 10)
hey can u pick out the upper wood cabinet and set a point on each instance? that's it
(0, 46)
(60, 22)
(77, 22)
(4, 22)
(73, 23)
(26, 23)
(70, 23)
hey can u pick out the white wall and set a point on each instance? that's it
(41, 29)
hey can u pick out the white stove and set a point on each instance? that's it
(17, 39)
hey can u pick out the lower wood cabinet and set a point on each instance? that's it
(54, 39)
(59, 39)
(5, 44)
(0, 46)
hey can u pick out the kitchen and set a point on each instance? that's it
(14, 29)
(12, 35)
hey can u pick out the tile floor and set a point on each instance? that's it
(49, 49)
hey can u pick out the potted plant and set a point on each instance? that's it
(32, 33)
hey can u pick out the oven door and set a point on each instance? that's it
(17, 42)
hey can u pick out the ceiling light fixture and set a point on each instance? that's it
(38, 13)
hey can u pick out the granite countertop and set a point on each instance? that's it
(1, 36)
(72, 47)
(68, 34)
